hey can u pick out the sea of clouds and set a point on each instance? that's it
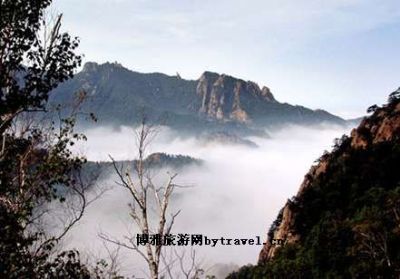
(237, 193)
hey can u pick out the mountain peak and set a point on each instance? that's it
(93, 66)
(227, 98)
(90, 67)
(209, 75)
(267, 94)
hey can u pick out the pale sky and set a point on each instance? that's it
(338, 55)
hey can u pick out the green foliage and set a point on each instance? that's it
(394, 96)
(35, 161)
(153, 161)
(65, 265)
(31, 66)
(275, 224)
(372, 109)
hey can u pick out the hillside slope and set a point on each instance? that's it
(344, 221)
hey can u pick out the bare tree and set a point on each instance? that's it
(108, 267)
(144, 193)
(177, 264)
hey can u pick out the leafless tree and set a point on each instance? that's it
(144, 193)
(108, 267)
(177, 264)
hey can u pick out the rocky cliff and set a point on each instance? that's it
(283, 227)
(379, 131)
(227, 98)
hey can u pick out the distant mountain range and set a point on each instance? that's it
(154, 161)
(214, 102)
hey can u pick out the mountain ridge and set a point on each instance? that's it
(215, 101)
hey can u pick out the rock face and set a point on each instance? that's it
(382, 126)
(284, 226)
(225, 98)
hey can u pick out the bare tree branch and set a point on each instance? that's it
(144, 193)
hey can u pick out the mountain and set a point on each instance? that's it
(344, 221)
(118, 96)
(226, 98)
(154, 161)
(226, 139)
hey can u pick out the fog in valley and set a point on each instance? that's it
(236, 193)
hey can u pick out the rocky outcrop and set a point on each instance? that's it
(225, 98)
(284, 228)
(383, 125)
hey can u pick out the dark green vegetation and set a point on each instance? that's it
(34, 155)
(348, 218)
(118, 96)
(227, 138)
(163, 160)
(154, 161)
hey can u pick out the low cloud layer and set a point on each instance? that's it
(236, 194)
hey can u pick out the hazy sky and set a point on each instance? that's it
(340, 55)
